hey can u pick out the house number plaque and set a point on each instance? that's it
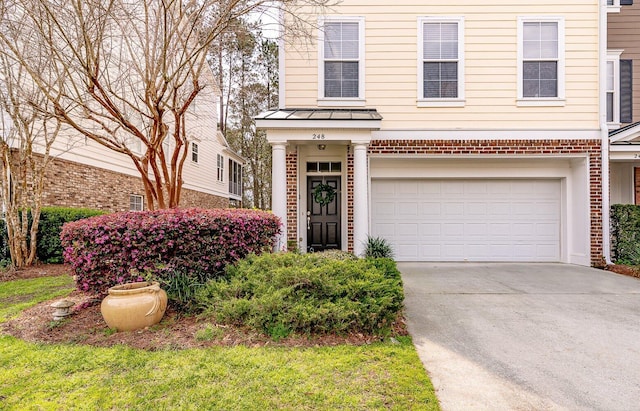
(317, 136)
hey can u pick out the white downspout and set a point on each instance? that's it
(604, 134)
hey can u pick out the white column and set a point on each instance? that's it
(360, 197)
(279, 190)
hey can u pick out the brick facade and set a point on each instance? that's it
(70, 184)
(292, 196)
(512, 148)
(591, 148)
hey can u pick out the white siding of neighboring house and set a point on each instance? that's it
(201, 124)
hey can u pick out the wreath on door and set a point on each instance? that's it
(324, 194)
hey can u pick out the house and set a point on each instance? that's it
(83, 173)
(623, 100)
(458, 132)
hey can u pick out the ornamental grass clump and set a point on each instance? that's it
(126, 247)
(285, 293)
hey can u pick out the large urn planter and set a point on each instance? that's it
(133, 306)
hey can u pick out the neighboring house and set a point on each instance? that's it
(457, 132)
(623, 100)
(86, 174)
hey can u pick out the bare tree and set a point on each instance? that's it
(27, 134)
(132, 69)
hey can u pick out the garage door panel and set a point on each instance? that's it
(431, 209)
(468, 220)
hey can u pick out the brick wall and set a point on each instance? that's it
(70, 184)
(513, 148)
(292, 196)
(350, 199)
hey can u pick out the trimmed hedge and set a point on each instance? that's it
(133, 246)
(285, 293)
(625, 234)
(48, 248)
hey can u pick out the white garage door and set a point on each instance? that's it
(468, 220)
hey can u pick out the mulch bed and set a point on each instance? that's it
(623, 269)
(175, 331)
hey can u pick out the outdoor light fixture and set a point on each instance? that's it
(63, 309)
(322, 146)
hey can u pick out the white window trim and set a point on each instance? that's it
(137, 196)
(542, 101)
(614, 56)
(614, 8)
(195, 144)
(441, 102)
(341, 101)
(220, 168)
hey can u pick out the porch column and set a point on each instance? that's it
(279, 190)
(360, 197)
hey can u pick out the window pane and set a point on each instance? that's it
(431, 71)
(548, 70)
(530, 88)
(531, 49)
(431, 89)
(332, 88)
(449, 89)
(349, 88)
(548, 88)
(341, 79)
(337, 166)
(440, 41)
(431, 50)
(549, 49)
(449, 71)
(609, 107)
(531, 31)
(610, 75)
(549, 31)
(531, 70)
(341, 41)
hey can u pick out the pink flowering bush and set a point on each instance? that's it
(112, 249)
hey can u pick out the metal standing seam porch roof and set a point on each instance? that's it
(319, 114)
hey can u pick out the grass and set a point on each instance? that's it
(40, 376)
(19, 295)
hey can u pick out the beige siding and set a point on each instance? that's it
(490, 46)
(624, 34)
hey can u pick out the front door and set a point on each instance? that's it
(323, 213)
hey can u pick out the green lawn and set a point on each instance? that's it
(61, 377)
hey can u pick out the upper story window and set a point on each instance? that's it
(235, 178)
(220, 168)
(441, 62)
(612, 88)
(541, 61)
(194, 152)
(618, 90)
(342, 56)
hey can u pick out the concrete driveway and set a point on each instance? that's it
(526, 336)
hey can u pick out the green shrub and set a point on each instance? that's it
(377, 247)
(288, 293)
(625, 234)
(48, 248)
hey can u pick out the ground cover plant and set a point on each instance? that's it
(117, 248)
(382, 375)
(286, 293)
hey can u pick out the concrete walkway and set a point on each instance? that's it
(526, 336)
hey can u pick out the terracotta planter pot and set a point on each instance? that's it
(133, 306)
